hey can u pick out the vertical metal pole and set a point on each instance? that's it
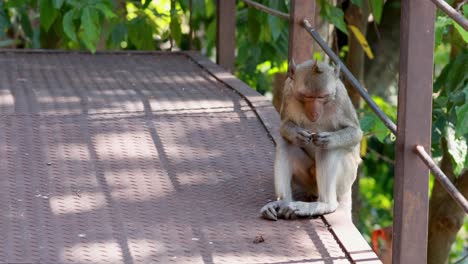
(300, 43)
(225, 33)
(413, 128)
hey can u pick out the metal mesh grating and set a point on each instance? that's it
(119, 158)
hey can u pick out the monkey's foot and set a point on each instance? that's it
(303, 209)
(270, 210)
(291, 210)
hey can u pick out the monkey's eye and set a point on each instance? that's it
(323, 97)
(303, 97)
(309, 97)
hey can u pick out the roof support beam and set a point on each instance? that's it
(300, 43)
(413, 128)
(226, 33)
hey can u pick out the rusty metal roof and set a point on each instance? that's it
(144, 158)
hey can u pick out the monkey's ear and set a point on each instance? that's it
(316, 68)
(338, 71)
(291, 69)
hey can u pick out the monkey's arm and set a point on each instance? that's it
(349, 134)
(288, 130)
(295, 134)
(344, 138)
(347, 137)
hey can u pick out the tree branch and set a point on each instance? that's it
(445, 216)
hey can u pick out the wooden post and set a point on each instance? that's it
(225, 33)
(413, 128)
(300, 42)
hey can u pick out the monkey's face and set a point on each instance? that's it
(313, 104)
(315, 91)
(314, 85)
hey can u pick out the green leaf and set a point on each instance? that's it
(461, 128)
(91, 30)
(463, 32)
(26, 24)
(457, 147)
(265, 36)
(146, 4)
(140, 33)
(77, 4)
(4, 21)
(275, 27)
(333, 15)
(457, 98)
(381, 131)
(211, 35)
(377, 9)
(337, 19)
(357, 2)
(184, 5)
(69, 26)
(275, 24)
(253, 26)
(368, 121)
(105, 10)
(199, 8)
(457, 76)
(117, 36)
(58, 3)
(174, 24)
(176, 32)
(441, 28)
(441, 80)
(462, 120)
(439, 122)
(48, 13)
(388, 109)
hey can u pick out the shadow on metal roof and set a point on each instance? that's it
(144, 158)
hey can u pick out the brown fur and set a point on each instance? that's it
(321, 140)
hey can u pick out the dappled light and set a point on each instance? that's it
(133, 170)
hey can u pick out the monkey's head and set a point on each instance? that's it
(314, 85)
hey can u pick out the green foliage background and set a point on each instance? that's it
(261, 42)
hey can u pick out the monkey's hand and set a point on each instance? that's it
(322, 139)
(295, 134)
(270, 210)
(303, 137)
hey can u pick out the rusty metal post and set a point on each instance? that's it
(300, 43)
(225, 33)
(413, 128)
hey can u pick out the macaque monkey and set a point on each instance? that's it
(319, 147)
